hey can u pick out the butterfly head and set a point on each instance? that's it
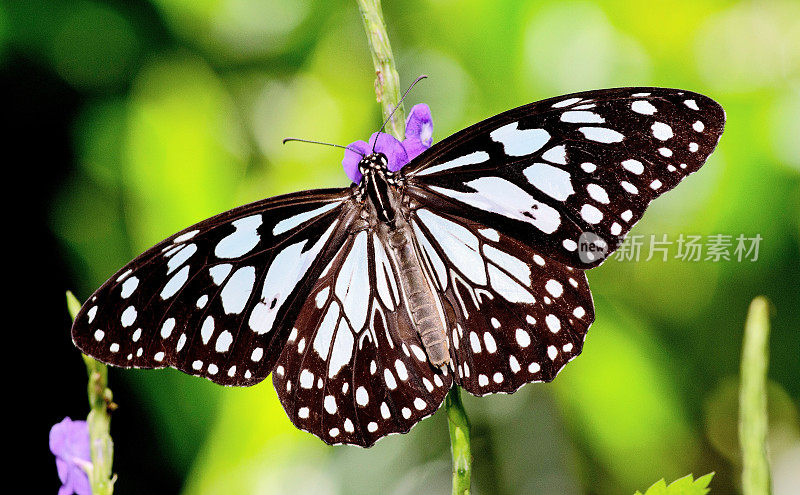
(374, 162)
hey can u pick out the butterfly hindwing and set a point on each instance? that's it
(514, 317)
(354, 368)
(548, 172)
(216, 299)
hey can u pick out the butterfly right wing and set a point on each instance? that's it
(218, 299)
(514, 316)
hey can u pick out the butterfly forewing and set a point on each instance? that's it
(354, 368)
(514, 317)
(591, 162)
(218, 298)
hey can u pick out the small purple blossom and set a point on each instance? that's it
(419, 136)
(69, 442)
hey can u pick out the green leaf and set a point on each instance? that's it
(681, 486)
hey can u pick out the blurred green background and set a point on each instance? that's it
(134, 119)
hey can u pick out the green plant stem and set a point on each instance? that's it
(753, 400)
(459, 441)
(387, 81)
(387, 89)
(101, 404)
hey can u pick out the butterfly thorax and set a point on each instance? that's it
(388, 216)
(376, 185)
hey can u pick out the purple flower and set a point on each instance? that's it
(419, 136)
(69, 442)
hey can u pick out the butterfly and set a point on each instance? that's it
(465, 267)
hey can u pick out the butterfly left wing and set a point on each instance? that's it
(552, 172)
(354, 368)
(218, 298)
(514, 316)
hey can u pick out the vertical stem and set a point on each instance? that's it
(387, 89)
(101, 446)
(459, 441)
(753, 400)
(387, 81)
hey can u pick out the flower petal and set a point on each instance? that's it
(70, 439)
(351, 159)
(69, 442)
(413, 148)
(419, 125)
(80, 481)
(392, 148)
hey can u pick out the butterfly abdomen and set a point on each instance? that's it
(420, 298)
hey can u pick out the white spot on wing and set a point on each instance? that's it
(470, 159)
(324, 336)
(342, 349)
(289, 223)
(438, 265)
(330, 405)
(515, 266)
(362, 397)
(237, 290)
(626, 215)
(519, 142)
(175, 283)
(662, 131)
(388, 377)
(556, 154)
(306, 379)
(566, 103)
(207, 330)
(242, 240)
(458, 244)
(224, 342)
(597, 193)
(634, 166)
(322, 297)
(582, 117)
(128, 316)
(490, 234)
(91, 314)
(506, 198)
(553, 181)
(489, 342)
(352, 284)
(523, 339)
(554, 288)
(601, 134)
(508, 287)
(643, 107)
(166, 328)
(185, 236)
(180, 257)
(591, 214)
(553, 323)
(128, 287)
(220, 272)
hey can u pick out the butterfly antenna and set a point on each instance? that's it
(286, 140)
(420, 78)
